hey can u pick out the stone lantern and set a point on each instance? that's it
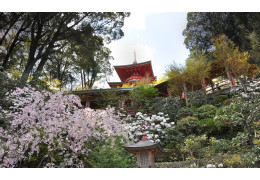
(145, 151)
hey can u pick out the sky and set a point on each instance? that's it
(155, 37)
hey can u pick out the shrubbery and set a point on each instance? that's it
(168, 106)
(208, 125)
(207, 111)
(143, 97)
(187, 111)
(218, 100)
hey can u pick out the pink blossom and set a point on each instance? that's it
(56, 120)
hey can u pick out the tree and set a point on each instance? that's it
(203, 26)
(47, 33)
(177, 78)
(92, 63)
(13, 30)
(197, 68)
(231, 58)
(143, 95)
(52, 130)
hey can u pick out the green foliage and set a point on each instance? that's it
(143, 97)
(208, 125)
(223, 116)
(196, 163)
(207, 111)
(234, 161)
(144, 92)
(187, 111)
(199, 98)
(187, 120)
(187, 126)
(240, 142)
(227, 102)
(173, 153)
(109, 155)
(219, 100)
(242, 28)
(176, 77)
(193, 145)
(106, 99)
(60, 44)
(168, 106)
(218, 145)
(6, 85)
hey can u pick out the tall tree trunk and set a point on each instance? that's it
(33, 47)
(81, 78)
(84, 78)
(10, 50)
(9, 28)
(185, 92)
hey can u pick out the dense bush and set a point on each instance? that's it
(187, 111)
(223, 116)
(104, 154)
(208, 125)
(199, 98)
(227, 102)
(6, 85)
(187, 126)
(192, 146)
(218, 100)
(143, 97)
(207, 111)
(168, 106)
(217, 146)
(197, 163)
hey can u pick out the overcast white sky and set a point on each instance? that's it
(153, 36)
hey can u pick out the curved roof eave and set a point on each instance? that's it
(133, 64)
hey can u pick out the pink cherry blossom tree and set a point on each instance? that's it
(53, 130)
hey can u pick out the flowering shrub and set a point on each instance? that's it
(51, 130)
(168, 106)
(244, 111)
(156, 127)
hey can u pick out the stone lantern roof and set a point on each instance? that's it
(144, 145)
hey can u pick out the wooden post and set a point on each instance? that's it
(185, 93)
(203, 82)
(232, 82)
(122, 103)
(169, 92)
(88, 103)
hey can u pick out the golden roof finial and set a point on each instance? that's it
(135, 57)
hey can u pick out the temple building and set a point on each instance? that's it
(133, 73)
(129, 75)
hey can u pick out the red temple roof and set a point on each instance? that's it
(143, 69)
(132, 73)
